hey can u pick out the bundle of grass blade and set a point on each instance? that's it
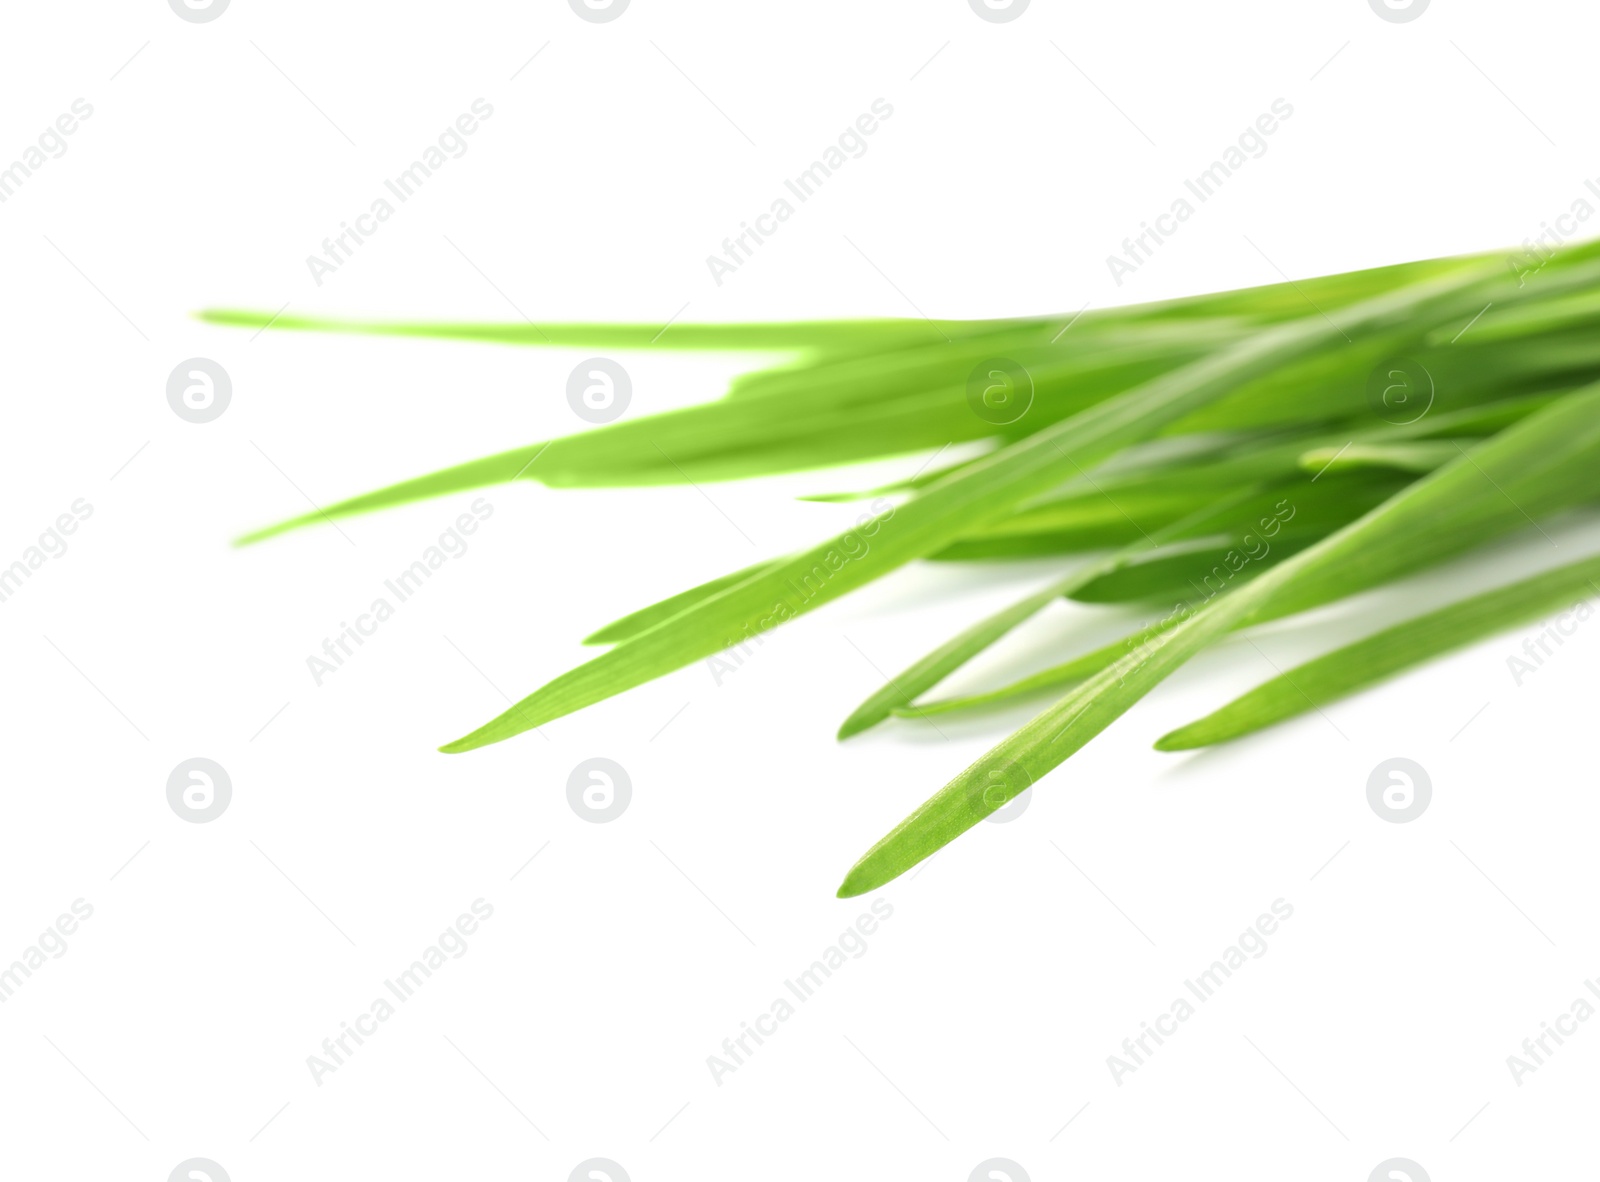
(1309, 493)
(1548, 462)
(861, 390)
(1170, 433)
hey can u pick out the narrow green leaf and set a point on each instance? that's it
(1423, 456)
(1067, 673)
(1198, 561)
(863, 389)
(820, 334)
(496, 469)
(1368, 661)
(646, 618)
(905, 686)
(1192, 560)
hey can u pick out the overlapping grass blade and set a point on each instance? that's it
(1138, 415)
(1549, 461)
(900, 691)
(905, 687)
(1377, 657)
(874, 388)
(824, 421)
(976, 495)
(1267, 528)
(1067, 673)
(1186, 565)
(916, 679)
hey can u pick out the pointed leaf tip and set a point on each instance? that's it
(854, 725)
(1185, 738)
(856, 883)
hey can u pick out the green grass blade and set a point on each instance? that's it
(913, 371)
(1423, 456)
(909, 484)
(1547, 462)
(1026, 756)
(956, 504)
(825, 421)
(1368, 661)
(646, 618)
(905, 687)
(497, 469)
(868, 389)
(821, 334)
(1188, 562)
(968, 499)
(1278, 301)
(1068, 673)
(921, 676)
(1199, 560)
(1133, 502)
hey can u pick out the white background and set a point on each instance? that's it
(179, 1021)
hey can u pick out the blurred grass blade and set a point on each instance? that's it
(817, 334)
(861, 390)
(1368, 661)
(1423, 456)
